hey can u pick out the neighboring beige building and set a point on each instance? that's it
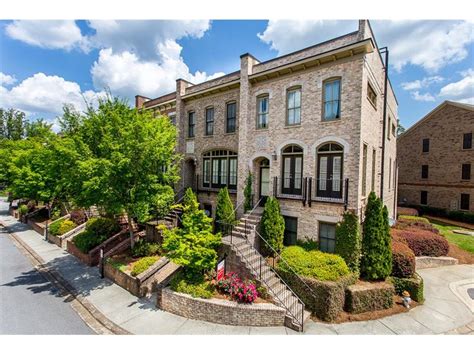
(308, 125)
(436, 157)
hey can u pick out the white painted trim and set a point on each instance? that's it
(328, 219)
(259, 155)
(269, 92)
(328, 139)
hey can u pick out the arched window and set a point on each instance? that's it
(292, 170)
(329, 182)
(220, 169)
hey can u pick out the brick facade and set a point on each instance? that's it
(445, 127)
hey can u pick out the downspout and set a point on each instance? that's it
(382, 168)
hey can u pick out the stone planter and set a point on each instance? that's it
(427, 262)
(221, 311)
(85, 258)
(61, 240)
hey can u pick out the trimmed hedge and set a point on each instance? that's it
(413, 285)
(97, 231)
(66, 226)
(423, 242)
(460, 216)
(315, 264)
(143, 264)
(407, 222)
(403, 260)
(348, 241)
(367, 297)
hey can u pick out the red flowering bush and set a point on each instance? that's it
(240, 291)
(403, 259)
(422, 242)
(224, 285)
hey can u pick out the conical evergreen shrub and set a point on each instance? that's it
(248, 192)
(272, 226)
(376, 262)
(348, 241)
(225, 214)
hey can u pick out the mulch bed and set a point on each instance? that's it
(463, 256)
(349, 317)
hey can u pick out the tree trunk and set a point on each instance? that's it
(130, 230)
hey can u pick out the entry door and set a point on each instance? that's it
(264, 184)
(329, 176)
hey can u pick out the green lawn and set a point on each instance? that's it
(465, 242)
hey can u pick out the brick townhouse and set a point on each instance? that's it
(308, 125)
(436, 156)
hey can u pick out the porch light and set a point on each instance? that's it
(274, 155)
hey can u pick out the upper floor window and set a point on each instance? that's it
(467, 141)
(466, 171)
(231, 117)
(262, 112)
(209, 121)
(394, 130)
(220, 169)
(292, 172)
(332, 99)
(424, 171)
(426, 145)
(371, 95)
(293, 107)
(191, 124)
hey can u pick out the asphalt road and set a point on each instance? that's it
(29, 304)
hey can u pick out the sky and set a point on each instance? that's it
(45, 64)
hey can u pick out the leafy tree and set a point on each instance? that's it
(348, 240)
(12, 124)
(248, 192)
(225, 214)
(400, 128)
(376, 262)
(39, 128)
(193, 246)
(71, 120)
(272, 226)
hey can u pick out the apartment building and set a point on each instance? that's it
(309, 126)
(436, 156)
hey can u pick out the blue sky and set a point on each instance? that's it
(46, 63)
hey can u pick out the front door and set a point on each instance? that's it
(329, 175)
(264, 182)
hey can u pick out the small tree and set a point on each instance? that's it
(272, 226)
(348, 241)
(376, 262)
(248, 192)
(225, 214)
(193, 246)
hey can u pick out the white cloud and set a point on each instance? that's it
(51, 34)
(45, 94)
(424, 83)
(422, 97)
(6, 79)
(462, 90)
(428, 44)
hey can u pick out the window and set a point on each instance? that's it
(424, 171)
(466, 171)
(426, 145)
(389, 173)
(292, 172)
(327, 237)
(331, 99)
(293, 100)
(374, 160)
(220, 169)
(394, 130)
(424, 197)
(191, 124)
(209, 121)
(291, 230)
(364, 170)
(465, 201)
(262, 112)
(329, 182)
(371, 95)
(231, 117)
(467, 141)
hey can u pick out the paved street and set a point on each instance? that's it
(29, 304)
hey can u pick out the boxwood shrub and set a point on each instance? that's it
(414, 286)
(423, 242)
(197, 288)
(97, 231)
(315, 264)
(66, 226)
(53, 228)
(403, 260)
(368, 297)
(144, 248)
(143, 264)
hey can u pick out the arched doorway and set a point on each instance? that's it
(264, 181)
(189, 173)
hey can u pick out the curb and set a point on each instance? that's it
(86, 310)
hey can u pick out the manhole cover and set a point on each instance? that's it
(470, 292)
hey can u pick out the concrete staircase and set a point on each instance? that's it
(244, 241)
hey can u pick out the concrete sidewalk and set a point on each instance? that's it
(442, 312)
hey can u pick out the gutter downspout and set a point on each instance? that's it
(382, 168)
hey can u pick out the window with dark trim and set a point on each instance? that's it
(329, 173)
(262, 112)
(209, 121)
(231, 117)
(374, 161)
(332, 99)
(293, 109)
(424, 171)
(220, 169)
(364, 170)
(327, 237)
(389, 173)
(371, 95)
(467, 141)
(465, 202)
(291, 231)
(466, 171)
(191, 124)
(426, 145)
(423, 197)
(292, 170)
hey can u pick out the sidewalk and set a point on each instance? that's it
(442, 312)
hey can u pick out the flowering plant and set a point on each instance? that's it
(240, 291)
(224, 284)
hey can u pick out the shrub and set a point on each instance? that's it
(22, 210)
(405, 222)
(376, 261)
(66, 226)
(272, 226)
(315, 264)
(367, 297)
(103, 226)
(407, 211)
(308, 244)
(53, 228)
(197, 287)
(460, 216)
(144, 248)
(244, 292)
(423, 242)
(143, 264)
(86, 241)
(414, 286)
(78, 217)
(248, 192)
(224, 284)
(403, 260)
(31, 205)
(348, 243)
(225, 214)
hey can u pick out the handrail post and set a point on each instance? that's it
(101, 263)
(260, 267)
